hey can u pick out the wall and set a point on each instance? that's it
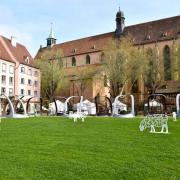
(7, 74)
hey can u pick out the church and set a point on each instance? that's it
(87, 52)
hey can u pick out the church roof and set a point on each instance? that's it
(148, 32)
(14, 54)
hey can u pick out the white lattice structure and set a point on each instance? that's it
(77, 115)
(154, 121)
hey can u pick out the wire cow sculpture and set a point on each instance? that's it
(155, 121)
(156, 118)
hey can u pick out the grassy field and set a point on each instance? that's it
(100, 148)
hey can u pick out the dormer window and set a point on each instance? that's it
(148, 37)
(74, 50)
(27, 60)
(93, 47)
(164, 34)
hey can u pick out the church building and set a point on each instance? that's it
(86, 52)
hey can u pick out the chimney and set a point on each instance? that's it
(13, 41)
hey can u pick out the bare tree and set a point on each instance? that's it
(52, 73)
(153, 75)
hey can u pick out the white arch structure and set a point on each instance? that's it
(12, 111)
(67, 101)
(129, 115)
(177, 105)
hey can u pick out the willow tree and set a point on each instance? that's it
(177, 62)
(52, 73)
(153, 75)
(123, 63)
(84, 78)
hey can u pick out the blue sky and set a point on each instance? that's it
(29, 20)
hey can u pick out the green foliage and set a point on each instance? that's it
(83, 77)
(122, 63)
(153, 75)
(100, 148)
(177, 62)
(52, 73)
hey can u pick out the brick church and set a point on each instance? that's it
(86, 52)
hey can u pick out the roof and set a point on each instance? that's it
(148, 32)
(14, 54)
(169, 87)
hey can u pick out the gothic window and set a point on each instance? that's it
(73, 61)
(167, 63)
(88, 59)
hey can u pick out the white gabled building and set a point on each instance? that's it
(18, 74)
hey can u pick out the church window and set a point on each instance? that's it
(167, 63)
(73, 61)
(88, 59)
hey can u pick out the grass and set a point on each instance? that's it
(100, 148)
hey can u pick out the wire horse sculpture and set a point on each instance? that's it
(154, 119)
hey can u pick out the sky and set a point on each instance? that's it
(30, 20)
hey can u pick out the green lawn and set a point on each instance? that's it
(100, 148)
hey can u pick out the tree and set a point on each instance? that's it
(52, 73)
(153, 75)
(84, 77)
(122, 64)
(177, 62)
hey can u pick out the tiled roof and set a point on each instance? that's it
(169, 87)
(13, 54)
(142, 33)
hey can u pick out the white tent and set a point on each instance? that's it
(154, 103)
(88, 107)
(120, 106)
(60, 107)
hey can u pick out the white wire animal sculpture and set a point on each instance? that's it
(76, 115)
(155, 121)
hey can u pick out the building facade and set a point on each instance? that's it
(19, 77)
(84, 53)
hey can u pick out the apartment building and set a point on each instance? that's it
(18, 74)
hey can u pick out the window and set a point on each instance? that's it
(167, 63)
(29, 92)
(3, 67)
(29, 72)
(10, 80)
(11, 69)
(35, 83)
(29, 82)
(22, 70)
(10, 91)
(35, 93)
(22, 91)
(3, 90)
(22, 80)
(35, 73)
(73, 61)
(3, 79)
(88, 59)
